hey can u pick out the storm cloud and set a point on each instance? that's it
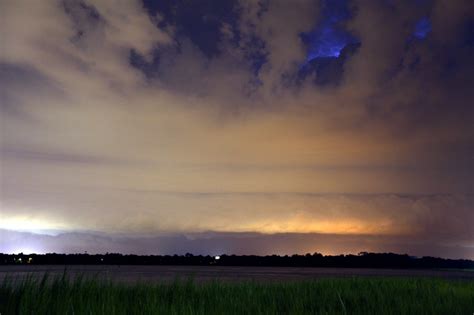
(348, 120)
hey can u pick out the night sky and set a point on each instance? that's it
(244, 127)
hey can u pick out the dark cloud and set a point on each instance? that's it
(201, 22)
(327, 70)
(85, 17)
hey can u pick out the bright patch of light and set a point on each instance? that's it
(26, 250)
(302, 224)
(327, 42)
(30, 224)
(329, 38)
(217, 257)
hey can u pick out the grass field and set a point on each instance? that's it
(62, 295)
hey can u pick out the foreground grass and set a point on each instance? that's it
(62, 295)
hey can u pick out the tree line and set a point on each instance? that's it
(362, 260)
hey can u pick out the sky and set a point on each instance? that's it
(237, 126)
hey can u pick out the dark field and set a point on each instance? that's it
(207, 273)
(232, 290)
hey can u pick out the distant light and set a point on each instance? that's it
(26, 250)
(30, 224)
(327, 42)
(217, 257)
(422, 28)
(329, 37)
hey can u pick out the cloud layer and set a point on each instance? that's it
(123, 119)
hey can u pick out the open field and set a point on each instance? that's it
(64, 294)
(206, 273)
